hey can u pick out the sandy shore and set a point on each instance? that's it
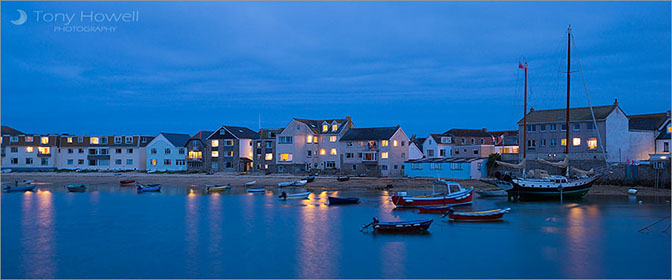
(321, 182)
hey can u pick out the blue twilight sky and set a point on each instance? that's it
(428, 66)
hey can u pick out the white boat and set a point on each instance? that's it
(286, 184)
(491, 193)
(285, 196)
(250, 183)
(256, 189)
(24, 182)
(217, 188)
(632, 191)
(300, 182)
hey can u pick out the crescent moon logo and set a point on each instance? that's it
(22, 18)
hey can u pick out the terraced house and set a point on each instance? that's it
(459, 143)
(196, 148)
(374, 151)
(104, 152)
(26, 152)
(167, 152)
(305, 145)
(264, 150)
(229, 148)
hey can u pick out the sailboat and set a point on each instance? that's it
(541, 185)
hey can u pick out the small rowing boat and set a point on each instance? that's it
(24, 182)
(343, 178)
(309, 178)
(342, 200)
(488, 215)
(286, 196)
(76, 187)
(434, 208)
(285, 184)
(249, 184)
(126, 182)
(399, 227)
(28, 188)
(256, 189)
(300, 182)
(491, 193)
(217, 188)
(149, 188)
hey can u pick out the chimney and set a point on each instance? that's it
(531, 109)
(484, 129)
(349, 119)
(616, 101)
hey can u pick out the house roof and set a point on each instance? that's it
(6, 130)
(505, 132)
(647, 121)
(242, 132)
(467, 132)
(443, 160)
(201, 135)
(575, 114)
(315, 125)
(418, 142)
(178, 140)
(263, 133)
(370, 133)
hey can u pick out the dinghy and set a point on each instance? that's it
(300, 182)
(399, 227)
(488, 215)
(343, 178)
(285, 184)
(24, 182)
(249, 184)
(30, 188)
(342, 200)
(76, 187)
(149, 188)
(217, 188)
(256, 189)
(491, 193)
(286, 196)
(127, 182)
(309, 178)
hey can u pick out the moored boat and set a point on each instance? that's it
(256, 189)
(454, 195)
(495, 193)
(434, 208)
(399, 227)
(148, 188)
(342, 200)
(217, 188)
(302, 195)
(488, 215)
(300, 182)
(24, 182)
(309, 178)
(285, 184)
(343, 178)
(127, 182)
(30, 188)
(76, 187)
(252, 183)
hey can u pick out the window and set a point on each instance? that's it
(435, 166)
(563, 142)
(332, 138)
(29, 139)
(542, 127)
(553, 127)
(29, 149)
(44, 161)
(166, 162)
(166, 151)
(553, 142)
(29, 161)
(576, 141)
(214, 143)
(44, 140)
(69, 139)
(473, 141)
(563, 127)
(542, 142)
(13, 150)
(285, 140)
(179, 162)
(81, 151)
(666, 147)
(93, 140)
(309, 139)
(349, 155)
(590, 126)
(228, 142)
(669, 128)
(14, 139)
(103, 151)
(80, 161)
(354, 167)
(129, 162)
(195, 154)
(455, 166)
(286, 157)
(577, 127)
(464, 141)
(129, 139)
(430, 153)
(482, 141)
(403, 143)
(15, 161)
(323, 152)
(330, 164)
(103, 140)
(395, 143)
(369, 156)
(229, 153)
(214, 154)
(117, 151)
(403, 155)
(385, 143)
(442, 152)
(117, 140)
(43, 150)
(349, 144)
(309, 153)
(333, 152)
(444, 140)
(531, 144)
(71, 162)
(475, 151)
(334, 127)
(592, 143)
(383, 167)
(269, 145)
(416, 166)
(269, 156)
(325, 128)
(181, 151)
(70, 151)
(384, 155)
(117, 162)
(129, 151)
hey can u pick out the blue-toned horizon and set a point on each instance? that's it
(427, 66)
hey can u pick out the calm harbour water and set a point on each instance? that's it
(113, 232)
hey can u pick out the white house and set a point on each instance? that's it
(167, 152)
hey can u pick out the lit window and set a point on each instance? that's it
(332, 138)
(215, 153)
(333, 152)
(93, 140)
(29, 149)
(395, 143)
(669, 128)
(325, 128)
(265, 166)
(286, 157)
(195, 154)
(69, 139)
(29, 138)
(385, 143)
(228, 142)
(215, 143)
(563, 142)
(43, 150)
(153, 162)
(334, 127)
(309, 139)
(323, 152)
(592, 143)
(384, 155)
(250, 154)
(576, 141)
(269, 156)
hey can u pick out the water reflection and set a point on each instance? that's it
(191, 228)
(393, 259)
(215, 223)
(319, 239)
(583, 245)
(38, 254)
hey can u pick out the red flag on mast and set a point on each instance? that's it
(521, 66)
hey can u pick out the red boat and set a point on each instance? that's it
(400, 227)
(488, 215)
(454, 195)
(127, 182)
(435, 209)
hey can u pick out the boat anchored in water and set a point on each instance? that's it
(399, 227)
(301, 195)
(148, 188)
(76, 187)
(253, 190)
(487, 215)
(454, 195)
(217, 188)
(27, 188)
(342, 200)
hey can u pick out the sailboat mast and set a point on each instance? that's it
(525, 117)
(569, 57)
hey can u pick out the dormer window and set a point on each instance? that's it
(93, 140)
(334, 126)
(44, 140)
(129, 139)
(117, 139)
(325, 127)
(29, 138)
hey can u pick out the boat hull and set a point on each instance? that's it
(434, 209)
(402, 227)
(491, 215)
(19, 189)
(127, 182)
(296, 196)
(256, 190)
(462, 198)
(76, 188)
(342, 200)
(217, 189)
(537, 192)
(343, 179)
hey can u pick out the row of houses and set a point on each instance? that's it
(337, 146)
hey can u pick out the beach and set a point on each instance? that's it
(321, 182)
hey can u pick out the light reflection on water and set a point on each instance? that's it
(37, 234)
(318, 237)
